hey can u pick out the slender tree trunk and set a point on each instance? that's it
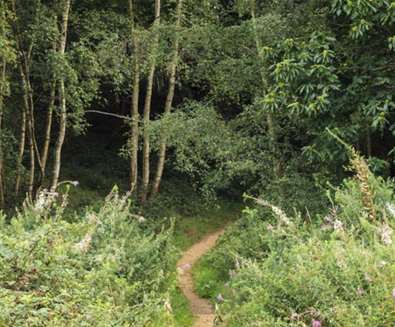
(147, 106)
(62, 95)
(2, 91)
(32, 155)
(21, 151)
(134, 135)
(269, 117)
(169, 103)
(135, 126)
(29, 126)
(28, 111)
(32, 122)
(25, 107)
(48, 129)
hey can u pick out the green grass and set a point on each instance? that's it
(190, 229)
(182, 315)
(208, 282)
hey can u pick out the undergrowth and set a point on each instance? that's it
(106, 269)
(334, 269)
(74, 258)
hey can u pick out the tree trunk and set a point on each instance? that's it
(169, 103)
(147, 106)
(48, 129)
(2, 94)
(21, 151)
(134, 135)
(29, 124)
(32, 155)
(24, 56)
(32, 123)
(62, 95)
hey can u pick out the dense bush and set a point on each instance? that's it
(337, 269)
(107, 269)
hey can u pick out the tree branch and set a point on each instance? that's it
(112, 115)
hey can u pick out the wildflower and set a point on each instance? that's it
(338, 225)
(276, 210)
(237, 264)
(390, 208)
(270, 227)
(75, 183)
(65, 201)
(126, 197)
(361, 168)
(316, 323)
(360, 291)
(382, 263)
(92, 219)
(331, 216)
(295, 316)
(385, 233)
(393, 293)
(139, 218)
(368, 278)
(45, 200)
(281, 215)
(168, 307)
(40, 203)
(84, 244)
(220, 298)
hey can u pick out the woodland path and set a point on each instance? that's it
(201, 308)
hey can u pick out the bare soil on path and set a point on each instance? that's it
(201, 308)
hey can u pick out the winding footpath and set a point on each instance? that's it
(201, 308)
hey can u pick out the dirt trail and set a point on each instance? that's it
(200, 308)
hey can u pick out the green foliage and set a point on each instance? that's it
(366, 16)
(7, 50)
(339, 283)
(180, 305)
(104, 268)
(303, 75)
(205, 148)
(273, 270)
(194, 216)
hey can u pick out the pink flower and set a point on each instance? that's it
(316, 323)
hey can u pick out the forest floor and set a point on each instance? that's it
(200, 308)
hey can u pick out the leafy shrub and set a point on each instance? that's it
(106, 269)
(339, 283)
(335, 270)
